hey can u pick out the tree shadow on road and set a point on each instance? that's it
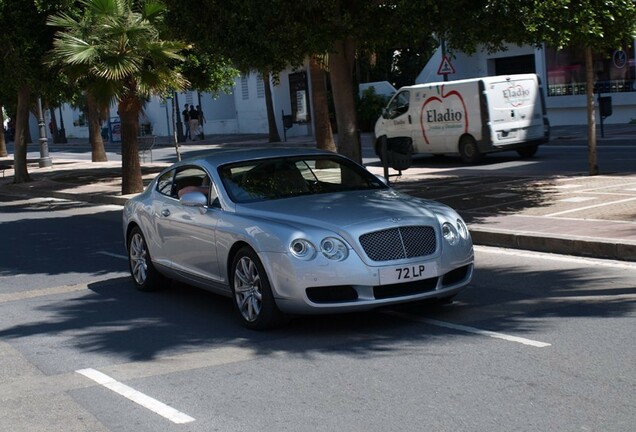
(113, 319)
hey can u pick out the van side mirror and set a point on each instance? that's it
(385, 113)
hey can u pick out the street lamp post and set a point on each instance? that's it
(180, 137)
(45, 159)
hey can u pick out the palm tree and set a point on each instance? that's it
(114, 46)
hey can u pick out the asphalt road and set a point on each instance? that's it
(537, 342)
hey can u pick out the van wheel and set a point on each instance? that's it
(528, 152)
(378, 147)
(468, 150)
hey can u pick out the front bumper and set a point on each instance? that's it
(321, 286)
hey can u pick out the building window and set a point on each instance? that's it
(614, 72)
(260, 87)
(245, 91)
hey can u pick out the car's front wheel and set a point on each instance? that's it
(144, 274)
(252, 293)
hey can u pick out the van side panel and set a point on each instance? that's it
(445, 112)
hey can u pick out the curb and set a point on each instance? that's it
(565, 246)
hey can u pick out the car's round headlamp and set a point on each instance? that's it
(302, 249)
(450, 233)
(462, 229)
(334, 249)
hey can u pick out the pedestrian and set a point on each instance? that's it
(186, 122)
(194, 120)
(201, 121)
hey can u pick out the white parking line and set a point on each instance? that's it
(488, 333)
(473, 330)
(589, 207)
(145, 401)
(110, 254)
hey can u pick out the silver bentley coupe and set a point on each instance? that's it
(293, 231)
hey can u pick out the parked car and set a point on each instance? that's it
(293, 231)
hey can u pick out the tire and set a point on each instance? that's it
(252, 292)
(378, 148)
(144, 274)
(468, 150)
(528, 152)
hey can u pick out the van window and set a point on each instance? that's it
(399, 104)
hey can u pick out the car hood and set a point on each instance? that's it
(337, 211)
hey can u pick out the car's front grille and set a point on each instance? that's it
(399, 243)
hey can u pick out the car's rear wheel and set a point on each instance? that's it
(144, 274)
(468, 150)
(252, 293)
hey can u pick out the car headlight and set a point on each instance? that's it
(302, 249)
(462, 229)
(334, 249)
(450, 233)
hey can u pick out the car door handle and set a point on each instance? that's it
(165, 212)
(410, 119)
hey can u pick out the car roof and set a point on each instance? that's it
(219, 157)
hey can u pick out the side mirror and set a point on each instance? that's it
(383, 179)
(195, 199)
(385, 113)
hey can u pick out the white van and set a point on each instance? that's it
(467, 117)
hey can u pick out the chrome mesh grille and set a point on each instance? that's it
(399, 243)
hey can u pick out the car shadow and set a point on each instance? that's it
(113, 319)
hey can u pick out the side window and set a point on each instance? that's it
(193, 179)
(164, 185)
(399, 104)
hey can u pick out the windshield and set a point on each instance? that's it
(269, 179)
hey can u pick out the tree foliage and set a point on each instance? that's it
(114, 47)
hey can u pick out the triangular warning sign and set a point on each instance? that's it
(445, 67)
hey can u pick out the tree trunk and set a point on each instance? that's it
(341, 62)
(20, 144)
(591, 117)
(98, 154)
(3, 143)
(324, 134)
(53, 129)
(131, 179)
(274, 136)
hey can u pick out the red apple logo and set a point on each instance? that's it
(516, 95)
(446, 111)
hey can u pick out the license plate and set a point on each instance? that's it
(407, 273)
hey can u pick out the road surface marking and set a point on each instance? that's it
(110, 254)
(589, 207)
(473, 330)
(139, 398)
(577, 199)
(503, 195)
(23, 295)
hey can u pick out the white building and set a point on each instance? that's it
(241, 112)
(562, 73)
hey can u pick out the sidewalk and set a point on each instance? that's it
(575, 215)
